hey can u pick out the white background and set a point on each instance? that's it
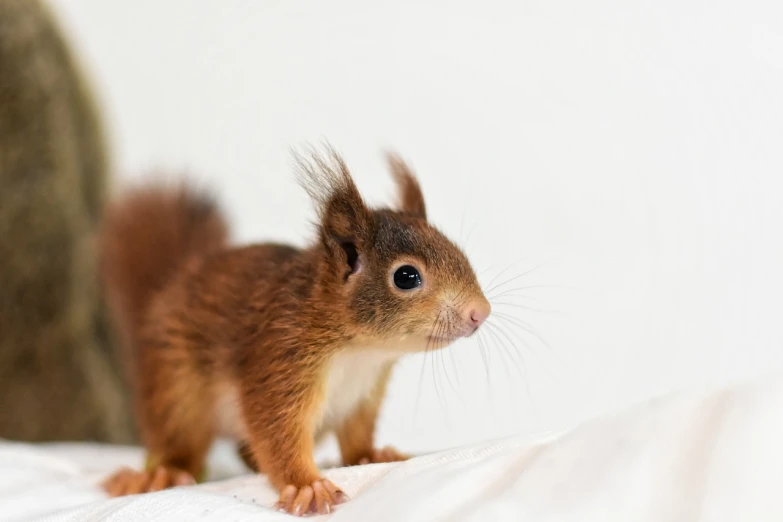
(630, 150)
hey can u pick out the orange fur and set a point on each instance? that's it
(275, 345)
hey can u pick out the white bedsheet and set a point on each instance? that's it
(701, 457)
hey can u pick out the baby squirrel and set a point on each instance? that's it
(273, 345)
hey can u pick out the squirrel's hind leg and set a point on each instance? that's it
(175, 411)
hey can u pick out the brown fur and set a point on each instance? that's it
(270, 321)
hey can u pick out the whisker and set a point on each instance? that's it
(436, 346)
(452, 358)
(470, 233)
(489, 285)
(507, 281)
(441, 357)
(457, 299)
(531, 287)
(525, 307)
(511, 352)
(523, 325)
(516, 335)
(523, 370)
(513, 293)
(496, 342)
(423, 364)
(484, 359)
(486, 270)
(462, 227)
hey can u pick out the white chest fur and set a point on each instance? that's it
(352, 377)
(227, 413)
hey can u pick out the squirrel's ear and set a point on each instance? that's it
(346, 221)
(411, 199)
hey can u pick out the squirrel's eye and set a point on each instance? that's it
(407, 278)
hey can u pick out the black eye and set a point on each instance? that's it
(407, 278)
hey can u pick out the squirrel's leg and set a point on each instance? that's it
(280, 416)
(246, 454)
(174, 410)
(356, 434)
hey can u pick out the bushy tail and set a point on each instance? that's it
(146, 237)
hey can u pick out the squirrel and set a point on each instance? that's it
(272, 345)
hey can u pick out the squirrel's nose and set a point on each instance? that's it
(476, 312)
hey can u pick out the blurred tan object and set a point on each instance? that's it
(59, 376)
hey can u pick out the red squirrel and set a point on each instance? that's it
(273, 345)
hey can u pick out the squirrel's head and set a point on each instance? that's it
(399, 278)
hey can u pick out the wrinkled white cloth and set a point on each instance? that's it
(713, 457)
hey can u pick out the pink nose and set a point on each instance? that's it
(476, 312)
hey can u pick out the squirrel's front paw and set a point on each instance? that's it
(387, 454)
(319, 497)
(130, 482)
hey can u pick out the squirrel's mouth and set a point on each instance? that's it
(446, 339)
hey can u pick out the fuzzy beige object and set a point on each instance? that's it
(59, 377)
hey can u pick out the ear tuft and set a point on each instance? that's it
(344, 216)
(411, 199)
